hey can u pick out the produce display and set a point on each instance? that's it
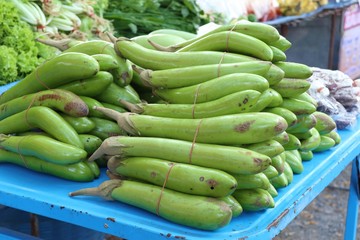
(195, 129)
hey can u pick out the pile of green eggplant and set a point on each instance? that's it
(195, 129)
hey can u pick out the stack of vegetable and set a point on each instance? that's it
(229, 121)
(53, 106)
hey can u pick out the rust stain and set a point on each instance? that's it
(243, 127)
(257, 161)
(212, 183)
(52, 96)
(82, 110)
(278, 219)
(280, 127)
(111, 219)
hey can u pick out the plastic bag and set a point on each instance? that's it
(336, 96)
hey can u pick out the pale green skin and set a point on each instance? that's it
(209, 90)
(307, 98)
(238, 102)
(43, 147)
(78, 172)
(122, 74)
(306, 155)
(61, 100)
(277, 99)
(288, 171)
(243, 128)
(181, 177)
(325, 144)
(264, 101)
(312, 142)
(156, 60)
(297, 106)
(190, 210)
(289, 87)
(293, 144)
(80, 124)
(227, 158)
(44, 118)
(272, 190)
(261, 31)
(68, 67)
(324, 123)
(106, 62)
(173, 32)
(254, 199)
(90, 87)
(295, 70)
(289, 116)
(335, 136)
(91, 142)
(282, 43)
(105, 128)
(91, 103)
(114, 93)
(189, 76)
(162, 39)
(233, 42)
(294, 162)
(278, 163)
(233, 204)
(252, 181)
(278, 55)
(280, 181)
(282, 138)
(270, 148)
(271, 172)
(303, 124)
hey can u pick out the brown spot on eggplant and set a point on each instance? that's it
(244, 127)
(245, 100)
(124, 76)
(257, 161)
(201, 179)
(153, 174)
(80, 109)
(212, 183)
(280, 127)
(52, 96)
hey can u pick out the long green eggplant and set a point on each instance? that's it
(227, 158)
(209, 90)
(43, 147)
(44, 118)
(62, 69)
(58, 99)
(78, 172)
(181, 177)
(243, 128)
(238, 102)
(190, 210)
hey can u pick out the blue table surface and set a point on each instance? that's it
(48, 196)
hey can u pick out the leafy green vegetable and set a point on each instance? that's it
(8, 69)
(132, 18)
(18, 46)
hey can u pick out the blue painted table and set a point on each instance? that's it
(48, 196)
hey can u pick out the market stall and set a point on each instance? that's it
(121, 220)
(192, 136)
